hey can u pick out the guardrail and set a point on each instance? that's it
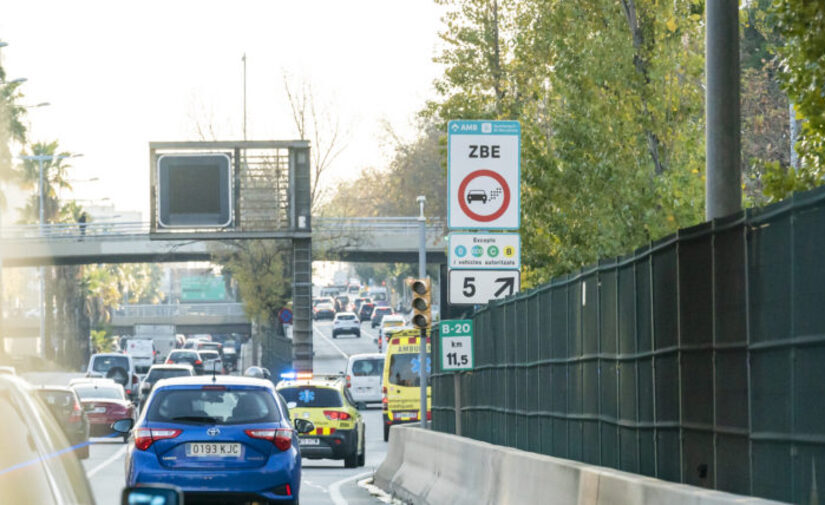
(139, 230)
(180, 309)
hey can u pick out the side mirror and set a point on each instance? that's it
(156, 494)
(303, 426)
(123, 425)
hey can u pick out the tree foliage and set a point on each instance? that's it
(801, 26)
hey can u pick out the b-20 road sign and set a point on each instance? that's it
(483, 174)
(476, 287)
(456, 343)
(496, 251)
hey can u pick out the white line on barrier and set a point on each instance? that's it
(335, 488)
(114, 457)
(318, 329)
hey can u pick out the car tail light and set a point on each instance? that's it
(349, 381)
(169, 362)
(76, 414)
(198, 362)
(281, 437)
(145, 437)
(429, 416)
(336, 415)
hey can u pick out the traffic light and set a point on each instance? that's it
(421, 303)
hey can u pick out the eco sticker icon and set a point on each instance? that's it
(478, 251)
(492, 251)
(461, 251)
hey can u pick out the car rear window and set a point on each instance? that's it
(390, 324)
(209, 355)
(57, 399)
(312, 397)
(405, 369)
(100, 392)
(165, 373)
(368, 367)
(384, 311)
(346, 317)
(211, 406)
(188, 357)
(104, 363)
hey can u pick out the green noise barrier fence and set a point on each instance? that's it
(698, 359)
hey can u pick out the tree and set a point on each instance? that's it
(319, 123)
(801, 27)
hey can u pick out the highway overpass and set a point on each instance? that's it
(393, 239)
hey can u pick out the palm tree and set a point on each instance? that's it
(55, 171)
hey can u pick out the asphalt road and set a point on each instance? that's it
(324, 481)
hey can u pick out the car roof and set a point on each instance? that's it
(87, 380)
(345, 314)
(367, 355)
(51, 387)
(394, 317)
(324, 381)
(110, 355)
(171, 367)
(210, 380)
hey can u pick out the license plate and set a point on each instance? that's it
(405, 415)
(97, 410)
(213, 449)
(310, 441)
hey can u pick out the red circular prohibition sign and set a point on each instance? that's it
(466, 208)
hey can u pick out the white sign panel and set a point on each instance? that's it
(476, 287)
(484, 176)
(496, 251)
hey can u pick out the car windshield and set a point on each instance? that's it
(56, 399)
(99, 392)
(346, 317)
(204, 405)
(157, 374)
(105, 363)
(368, 367)
(404, 369)
(312, 397)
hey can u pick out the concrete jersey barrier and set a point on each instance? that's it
(430, 468)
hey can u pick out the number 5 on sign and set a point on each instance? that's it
(456, 344)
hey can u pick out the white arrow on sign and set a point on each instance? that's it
(475, 287)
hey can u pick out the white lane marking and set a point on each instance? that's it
(316, 328)
(335, 488)
(114, 457)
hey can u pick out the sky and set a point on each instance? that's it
(118, 75)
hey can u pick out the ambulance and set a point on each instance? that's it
(402, 387)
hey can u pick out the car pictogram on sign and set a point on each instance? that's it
(476, 195)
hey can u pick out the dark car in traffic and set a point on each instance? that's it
(365, 312)
(65, 405)
(187, 357)
(378, 315)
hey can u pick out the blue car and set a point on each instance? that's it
(219, 438)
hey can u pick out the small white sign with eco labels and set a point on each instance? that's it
(495, 251)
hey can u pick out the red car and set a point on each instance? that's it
(104, 402)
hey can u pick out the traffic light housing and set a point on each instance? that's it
(421, 303)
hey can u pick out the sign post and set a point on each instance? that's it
(456, 345)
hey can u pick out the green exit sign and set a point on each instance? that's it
(456, 339)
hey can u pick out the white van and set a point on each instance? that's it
(364, 376)
(142, 351)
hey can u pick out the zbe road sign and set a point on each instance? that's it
(456, 343)
(483, 172)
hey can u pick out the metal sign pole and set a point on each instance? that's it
(422, 348)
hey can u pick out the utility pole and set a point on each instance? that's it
(422, 274)
(723, 193)
(244, 95)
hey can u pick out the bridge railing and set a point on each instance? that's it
(180, 309)
(95, 230)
